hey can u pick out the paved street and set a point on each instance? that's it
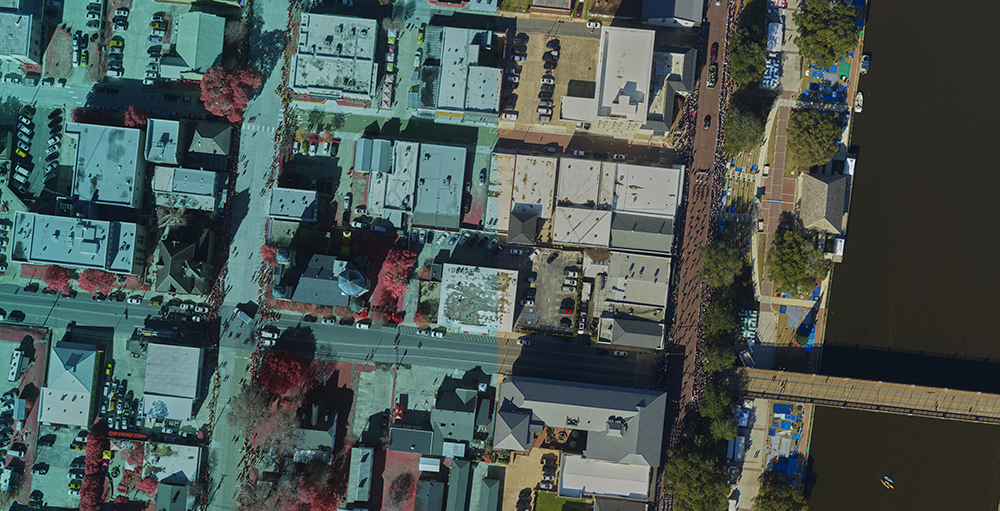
(57, 312)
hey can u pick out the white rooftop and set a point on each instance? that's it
(16, 38)
(462, 83)
(624, 68)
(336, 53)
(65, 398)
(180, 467)
(185, 188)
(109, 164)
(583, 182)
(535, 182)
(172, 380)
(482, 92)
(638, 279)
(648, 190)
(582, 226)
(293, 204)
(76, 242)
(579, 476)
(476, 299)
(161, 140)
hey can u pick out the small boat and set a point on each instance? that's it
(864, 63)
(859, 100)
(887, 483)
(887, 478)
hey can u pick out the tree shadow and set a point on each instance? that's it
(265, 47)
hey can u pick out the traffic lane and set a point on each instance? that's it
(581, 365)
(553, 28)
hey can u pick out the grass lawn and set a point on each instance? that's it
(551, 502)
(515, 5)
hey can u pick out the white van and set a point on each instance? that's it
(16, 360)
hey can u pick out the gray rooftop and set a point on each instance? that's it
(373, 155)
(637, 333)
(109, 164)
(687, 10)
(171, 497)
(185, 188)
(173, 370)
(430, 496)
(294, 204)
(319, 282)
(336, 53)
(211, 138)
(17, 30)
(359, 483)
(522, 228)
(624, 425)
(459, 485)
(440, 175)
(199, 39)
(823, 197)
(75, 242)
(606, 504)
(489, 495)
(411, 440)
(642, 233)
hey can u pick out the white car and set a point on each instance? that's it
(548, 80)
(328, 321)
(114, 73)
(528, 303)
(597, 24)
(362, 326)
(618, 157)
(135, 300)
(186, 307)
(147, 81)
(201, 309)
(509, 116)
(423, 331)
(155, 39)
(93, 16)
(416, 58)
(121, 12)
(523, 342)
(544, 111)
(437, 333)
(534, 254)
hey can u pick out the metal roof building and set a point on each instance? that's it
(161, 141)
(66, 397)
(440, 175)
(293, 204)
(359, 481)
(823, 199)
(173, 377)
(623, 425)
(673, 13)
(77, 242)
(175, 187)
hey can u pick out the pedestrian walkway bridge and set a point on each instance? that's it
(871, 395)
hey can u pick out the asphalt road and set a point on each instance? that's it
(57, 312)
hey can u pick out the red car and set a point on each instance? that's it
(566, 312)
(715, 51)
(579, 10)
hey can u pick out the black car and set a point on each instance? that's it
(170, 97)
(553, 44)
(49, 291)
(55, 113)
(308, 318)
(70, 295)
(599, 156)
(548, 88)
(544, 95)
(549, 66)
(482, 241)
(31, 288)
(521, 39)
(708, 121)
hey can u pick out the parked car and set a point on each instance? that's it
(548, 80)
(593, 25)
(362, 326)
(523, 342)
(621, 354)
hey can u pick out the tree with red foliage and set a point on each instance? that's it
(281, 370)
(395, 275)
(82, 114)
(57, 277)
(421, 318)
(342, 312)
(92, 492)
(135, 456)
(148, 486)
(92, 486)
(136, 117)
(97, 281)
(227, 93)
(270, 255)
(317, 497)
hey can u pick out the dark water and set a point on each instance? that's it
(935, 464)
(917, 298)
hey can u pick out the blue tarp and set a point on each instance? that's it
(781, 408)
(786, 424)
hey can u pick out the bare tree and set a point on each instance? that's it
(277, 430)
(248, 409)
(402, 487)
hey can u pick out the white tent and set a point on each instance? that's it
(775, 37)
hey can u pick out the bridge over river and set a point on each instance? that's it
(871, 395)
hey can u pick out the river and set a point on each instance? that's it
(917, 298)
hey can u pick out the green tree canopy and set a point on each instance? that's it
(778, 494)
(718, 357)
(794, 265)
(721, 264)
(812, 136)
(720, 321)
(723, 429)
(827, 30)
(716, 401)
(746, 47)
(697, 481)
(744, 130)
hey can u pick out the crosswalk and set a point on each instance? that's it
(247, 126)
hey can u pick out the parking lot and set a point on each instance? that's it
(573, 74)
(39, 163)
(136, 45)
(549, 304)
(57, 458)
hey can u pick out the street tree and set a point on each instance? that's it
(746, 57)
(269, 254)
(281, 370)
(227, 93)
(828, 31)
(813, 136)
(721, 264)
(723, 428)
(778, 493)
(717, 357)
(719, 321)
(395, 275)
(696, 481)
(97, 281)
(136, 117)
(716, 401)
(277, 430)
(147, 485)
(794, 265)
(248, 408)
(58, 278)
